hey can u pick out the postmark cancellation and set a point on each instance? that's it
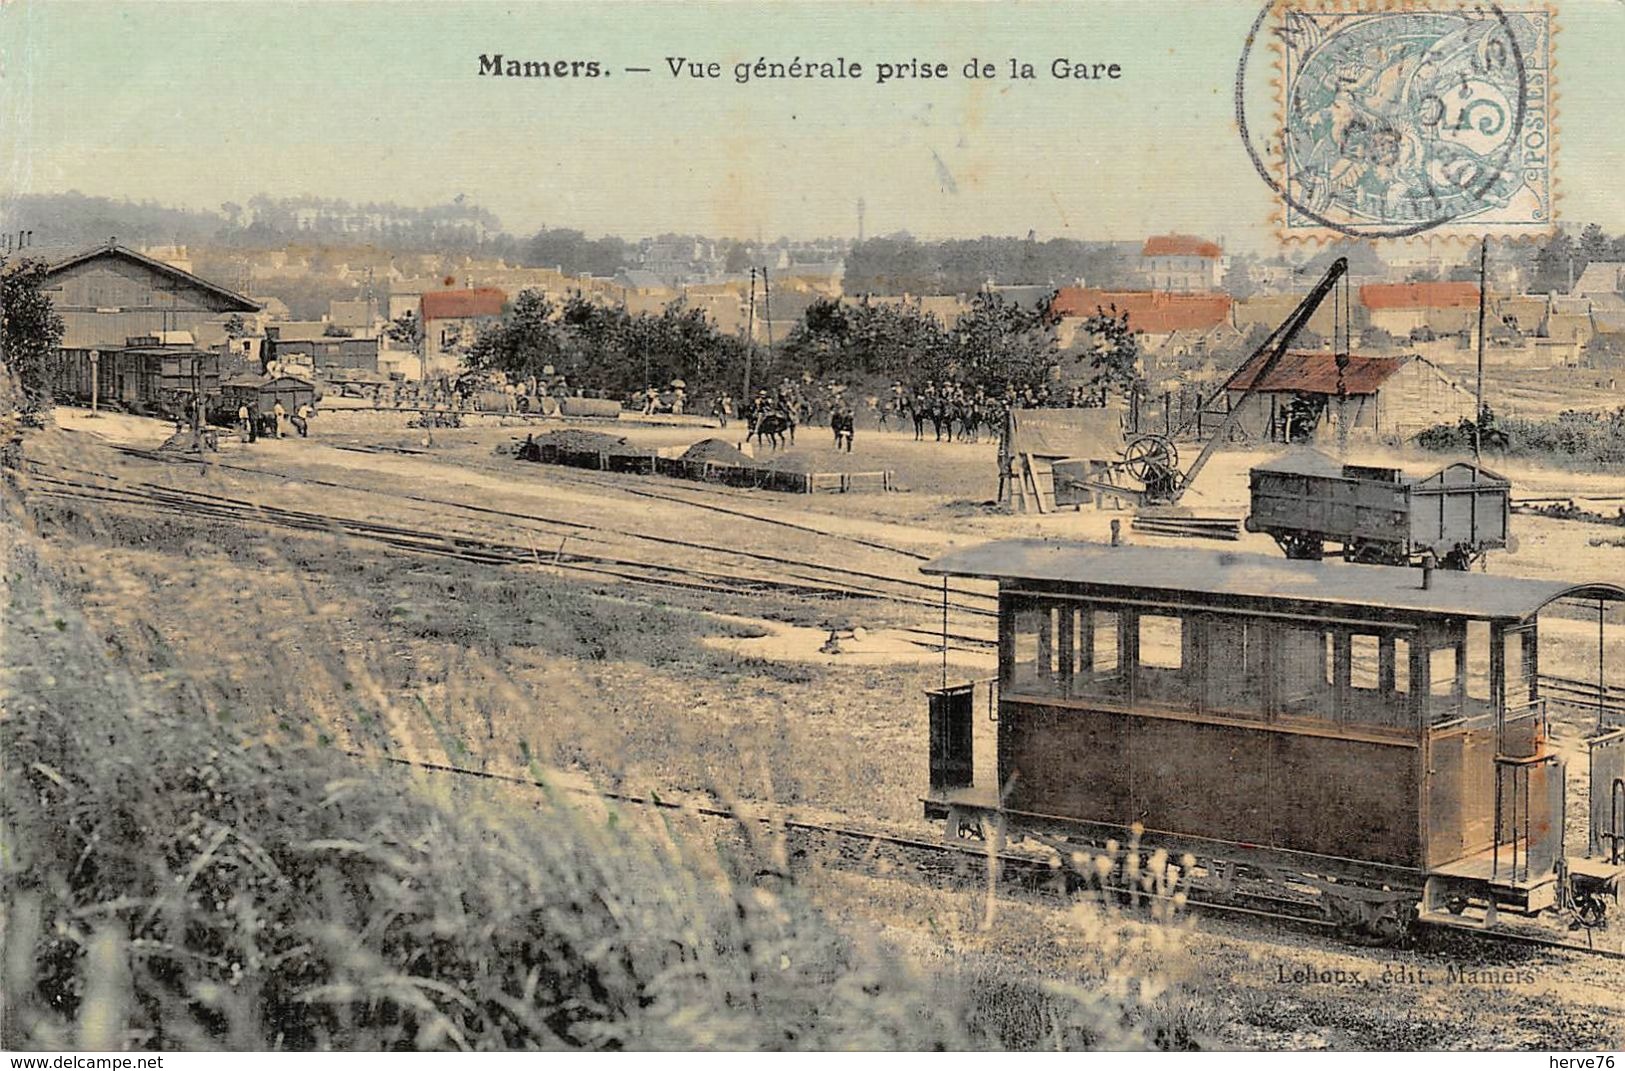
(1407, 121)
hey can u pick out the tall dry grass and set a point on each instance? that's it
(181, 874)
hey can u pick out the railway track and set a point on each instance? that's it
(587, 479)
(1050, 874)
(800, 581)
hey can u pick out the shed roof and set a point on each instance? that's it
(1180, 245)
(235, 300)
(1444, 295)
(1315, 372)
(1218, 576)
(1152, 311)
(463, 304)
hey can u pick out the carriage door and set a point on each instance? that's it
(951, 733)
(1608, 796)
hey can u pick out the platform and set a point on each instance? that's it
(1476, 875)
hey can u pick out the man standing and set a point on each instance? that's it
(281, 415)
(301, 420)
(244, 423)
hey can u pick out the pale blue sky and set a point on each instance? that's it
(195, 104)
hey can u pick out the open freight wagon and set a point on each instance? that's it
(1380, 515)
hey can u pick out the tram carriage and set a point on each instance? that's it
(1370, 740)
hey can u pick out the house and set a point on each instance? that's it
(1601, 277)
(1524, 314)
(129, 311)
(359, 316)
(1391, 397)
(110, 294)
(1270, 311)
(452, 320)
(1440, 308)
(1154, 314)
(1568, 320)
(1179, 262)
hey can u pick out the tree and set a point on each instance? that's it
(523, 342)
(1113, 352)
(30, 331)
(236, 326)
(1595, 243)
(407, 330)
(1551, 266)
(997, 344)
(1238, 280)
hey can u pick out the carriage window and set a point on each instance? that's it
(1519, 648)
(1373, 697)
(1444, 698)
(1303, 673)
(1402, 667)
(1235, 669)
(1478, 660)
(1107, 654)
(1161, 642)
(1094, 638)
(1064, 649)
(1365, 656)
(1161, 675)
(1033, 668)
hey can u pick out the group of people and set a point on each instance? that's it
(252, 423)
(963, 412)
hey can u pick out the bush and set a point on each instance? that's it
(1593, 438)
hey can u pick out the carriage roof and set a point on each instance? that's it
(1221, 577)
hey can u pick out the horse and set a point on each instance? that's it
(917, 412)
(772, 425)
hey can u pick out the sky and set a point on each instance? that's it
(196, 104)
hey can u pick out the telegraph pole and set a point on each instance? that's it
(767, 311)
(1483, 280)
(750, 339)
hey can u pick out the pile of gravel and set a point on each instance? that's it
(716, 450)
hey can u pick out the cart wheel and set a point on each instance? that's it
(1302, 546)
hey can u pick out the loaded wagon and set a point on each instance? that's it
(152, 379)
(1380, 515)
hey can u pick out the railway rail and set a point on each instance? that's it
(1050, 872)
(800, 580)
(587, 480)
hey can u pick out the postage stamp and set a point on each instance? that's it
(1404, 121)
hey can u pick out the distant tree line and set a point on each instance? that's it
(995, 344)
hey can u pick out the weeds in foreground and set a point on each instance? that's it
(184, 881)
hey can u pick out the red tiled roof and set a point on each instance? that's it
(1315, 372)
(1151, 311)
(1418, 295)
(1180, 245)
(463, 304)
